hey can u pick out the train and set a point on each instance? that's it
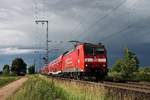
(83, 61)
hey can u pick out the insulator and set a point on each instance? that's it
(42, 23)
(36, 22)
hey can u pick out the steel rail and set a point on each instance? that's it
(125, 86)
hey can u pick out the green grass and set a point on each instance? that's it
(38, 87)
(79, 91)
(4, 80)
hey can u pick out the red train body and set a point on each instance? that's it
(85, 59)
(44, 70)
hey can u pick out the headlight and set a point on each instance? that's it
(102, 60)
(88, 59)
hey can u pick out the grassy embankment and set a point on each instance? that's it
(38, 87)
(78, 91)
(41, 88)
(4, 80)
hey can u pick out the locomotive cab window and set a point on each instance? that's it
(99, 51)
(88, 51)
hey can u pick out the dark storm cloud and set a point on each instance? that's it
(116, 23)
(133, 22)
(63, 15)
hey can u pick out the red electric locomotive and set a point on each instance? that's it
(84, 60)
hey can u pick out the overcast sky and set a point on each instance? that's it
(116, 23)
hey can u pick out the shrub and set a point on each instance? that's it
(18, 66)
(6, 70)
(125, 68)
(143, 74)
(31, 69)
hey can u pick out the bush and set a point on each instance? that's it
(143, 74)
(18, 66)
(115, 76)
(31, 69)
(13, 74)
(125, 68)
(6, 70)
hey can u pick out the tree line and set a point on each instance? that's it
(18, 67)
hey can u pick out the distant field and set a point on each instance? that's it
(5, 80)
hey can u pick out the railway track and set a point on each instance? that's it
(145, 88)
(132, 86)
(140, 83)
(114, 90)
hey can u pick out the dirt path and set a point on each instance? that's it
(11, 88)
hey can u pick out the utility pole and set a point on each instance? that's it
(43, 22)
(35, 62)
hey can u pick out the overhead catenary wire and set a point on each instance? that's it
(80, 23)
(100, 19)
(127, 26)
(97, 17)
(38, 10)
